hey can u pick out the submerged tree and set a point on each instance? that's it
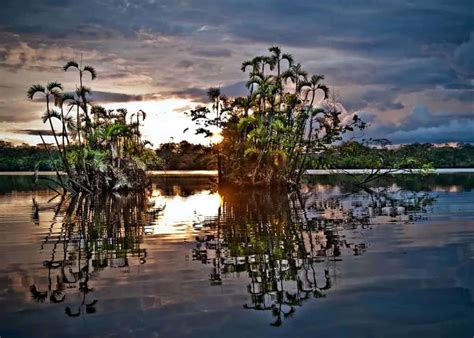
(268, 134)
(98, 148)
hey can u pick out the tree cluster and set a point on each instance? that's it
(99, 149)
(269, 134)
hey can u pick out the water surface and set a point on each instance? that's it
(189, 260)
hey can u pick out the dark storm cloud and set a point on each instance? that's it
(44, 132)
(193, 93)
(381, 99)
(106, 97)
(421, 125)
(212, 52)
(379, 51)
(200, 94)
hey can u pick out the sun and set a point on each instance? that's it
(165, 121)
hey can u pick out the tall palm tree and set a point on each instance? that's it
(296, 74)
(266, 87)
(255, 63)
(81, 69)
(314, 84)
(277, 57)
(137, 115)
(51, 90)
(59, 101)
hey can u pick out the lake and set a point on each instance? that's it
(186, 259)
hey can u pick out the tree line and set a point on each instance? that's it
(167, 156)
(363, 155)
(188, 156)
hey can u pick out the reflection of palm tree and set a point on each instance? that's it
(86, 247)
(282, 247)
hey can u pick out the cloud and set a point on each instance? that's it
(464, 56)
(421, 125)
(385, 57)
(44, 132)
(185, 64)
(379, 99)
(212, 52)
(193, 93)
(107, 97)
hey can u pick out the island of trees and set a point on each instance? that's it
(98, 149)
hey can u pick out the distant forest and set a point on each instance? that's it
(188, 156)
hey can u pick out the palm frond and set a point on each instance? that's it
(99, 111)
(289, 58)
(82, 91)
(58, 98)
(325, 89)
(245, 64)
(91, 70)
(37, 88)
(142, 113)
(316, 78)
(70, 64)
(275, 50)
(54, 85)
(213, 93)
(52, 113)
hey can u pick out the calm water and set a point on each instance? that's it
(189, 260)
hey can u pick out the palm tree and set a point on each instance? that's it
(266, 60)
(277, 57)
(296, 74)
(52, 89)
(313, 85)
(255, 64)
(137, 115)
(266, 87)
(81, 90)
(81, 69)
(245, 103)
(59, 101)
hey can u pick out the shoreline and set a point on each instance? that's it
(310, 172)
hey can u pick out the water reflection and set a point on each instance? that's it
(287, 244)
(398, 253)
(89, 234)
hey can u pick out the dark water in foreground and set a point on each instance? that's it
(333, 261)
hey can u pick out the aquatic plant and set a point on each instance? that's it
(268, 134)
(99, 149)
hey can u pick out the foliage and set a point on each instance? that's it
(98, 149)
(268, 135)
(185, 156)
(356, 155)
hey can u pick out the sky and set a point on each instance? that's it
(406, 67)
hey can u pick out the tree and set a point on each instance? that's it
(106, 153)
(265, 134)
